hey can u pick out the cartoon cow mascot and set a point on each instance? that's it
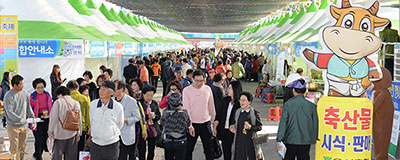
(351, 39)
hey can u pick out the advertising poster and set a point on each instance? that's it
(97, 49)
(395, 92)
(166, 46)
(345, 128)
(299, 46)
(119, 49)
(272, 49)
(128, 48)
(111, 48)
(145, 47)
(8, 44)
(151, 47)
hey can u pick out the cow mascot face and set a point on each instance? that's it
(350, 40)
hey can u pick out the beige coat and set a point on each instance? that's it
(59, 110)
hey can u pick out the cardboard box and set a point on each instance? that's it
(6, 155)
(4, 149)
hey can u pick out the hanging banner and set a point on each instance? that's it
(166, 46)
(158, 47)
(210, 35)
(119, 49)
(396, 74)
(145, 47)
(111, 49)
(134, 48)
(8, 44)
(345, 128)
(151, 47)
(140, 48)
(280, 66)
(272, 49)
(299, 46)
(128, 48)
(395, 92)
(35, 48)
(97, 49)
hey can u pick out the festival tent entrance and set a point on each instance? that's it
(69, 35)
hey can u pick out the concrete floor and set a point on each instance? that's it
(269, 127)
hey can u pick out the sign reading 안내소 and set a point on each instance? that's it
(35, 48)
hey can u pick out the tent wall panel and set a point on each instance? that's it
(32, 68)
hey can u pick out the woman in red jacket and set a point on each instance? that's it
(41, 104)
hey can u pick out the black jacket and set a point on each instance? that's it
(130, 72)
(5, 87)
(221, 114)
(287, 94)
(150, 71)
(218, 97)
(55, 83)
(154, 108)
(92, 89)
(167, 74)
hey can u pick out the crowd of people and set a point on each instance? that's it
(202, 97)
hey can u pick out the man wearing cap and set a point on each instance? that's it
(298, 126)
(287, 90)
(132, 115)
(178, 73)
(106, 121)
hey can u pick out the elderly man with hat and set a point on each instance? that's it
(106, 120)
(298, 126)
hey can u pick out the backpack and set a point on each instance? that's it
(72, 119)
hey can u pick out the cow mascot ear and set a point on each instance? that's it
(335, 12)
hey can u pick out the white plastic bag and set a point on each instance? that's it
(282, 150)
(50, 143)
(84, 155)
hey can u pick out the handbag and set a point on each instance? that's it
(72, 119)
(217, 149)
(88, 143)
(160, 141)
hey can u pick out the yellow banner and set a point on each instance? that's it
(345, 128)
(8, 44)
